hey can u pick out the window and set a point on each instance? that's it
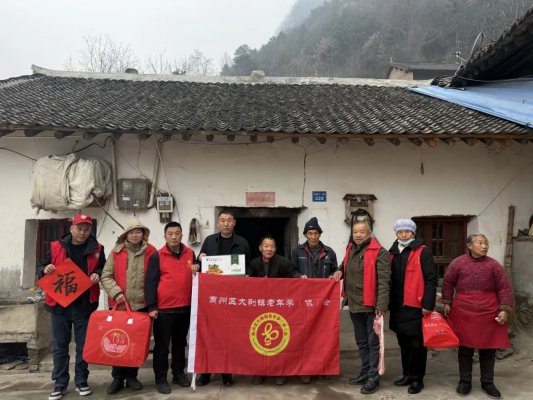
(445, 235)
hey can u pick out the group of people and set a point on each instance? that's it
(476, 292)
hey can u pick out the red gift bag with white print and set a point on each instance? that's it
(119, 338)
(437, 333)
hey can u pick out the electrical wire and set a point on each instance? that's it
(109, 215)
(505, 187)
(142, 175)
(16, 152)
(89, 145)
(493, 80)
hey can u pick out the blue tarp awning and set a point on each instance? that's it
(510, 100)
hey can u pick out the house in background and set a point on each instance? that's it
(419, 71)
(277, 151)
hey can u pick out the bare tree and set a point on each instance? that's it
(159, 64)
(102, 54)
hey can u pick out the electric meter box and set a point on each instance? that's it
(165, 204)
(133, 194)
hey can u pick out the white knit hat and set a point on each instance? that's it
(404, 224)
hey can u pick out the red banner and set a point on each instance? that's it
(264, 326)
(66, 283)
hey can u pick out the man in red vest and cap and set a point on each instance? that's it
(168, 292)
(366, 273)
(83, 249)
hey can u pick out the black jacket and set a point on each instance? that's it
(280, 267)
(407, 320)
(302, 265)
(92, 247)
(211, 247)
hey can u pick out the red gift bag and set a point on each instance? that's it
(437, 333)
(119, 338)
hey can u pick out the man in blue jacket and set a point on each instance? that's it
(313, 259)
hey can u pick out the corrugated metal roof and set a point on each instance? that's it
(510, 100)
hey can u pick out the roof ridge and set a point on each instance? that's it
(249, 80)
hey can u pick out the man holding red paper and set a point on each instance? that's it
(88, 255)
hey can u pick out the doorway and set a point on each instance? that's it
(254, 223)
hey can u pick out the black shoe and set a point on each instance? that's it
(360, 380)
(116, 385)
(227, 380)
(203, 380)
(258, 380)
(415, 387)
(370, 387)
(84, 389)
(57, 393)
(491, 390)
(280, 380)
(464, 388)
(182, 380)
(403, 381)
(163, 388)
(134, 384)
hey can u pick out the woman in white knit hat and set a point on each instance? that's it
(413, 290)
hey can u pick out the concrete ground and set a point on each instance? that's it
(514, 378)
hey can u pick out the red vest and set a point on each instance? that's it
(369, 274)
(58, 254)
(175, 278)
(120, 271)
(413, 285)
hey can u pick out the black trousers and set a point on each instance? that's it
(122, 373)
(487, 360)
(170, 328)
(414, 356)
(368, 343)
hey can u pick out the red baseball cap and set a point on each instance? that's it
(82, 219)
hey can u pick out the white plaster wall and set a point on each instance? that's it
(479, 180)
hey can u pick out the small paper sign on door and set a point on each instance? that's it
(232, 264)
(66, 283)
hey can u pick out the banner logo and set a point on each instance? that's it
(115, 342)
(269, 334)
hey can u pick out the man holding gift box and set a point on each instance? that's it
(218, 244)
(88, 255)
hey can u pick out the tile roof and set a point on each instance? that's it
(509, 57)
(101, 103)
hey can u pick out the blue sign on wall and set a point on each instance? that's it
(320, 196)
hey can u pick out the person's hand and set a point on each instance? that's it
(153, 314)
(303, 276)
(201, 256)
(120, 298)
(337, 276)
(195, 268)
(424, 311)
(502, 317)
(446, 310)
(50, 268)
(94, 278)
(380, 313)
